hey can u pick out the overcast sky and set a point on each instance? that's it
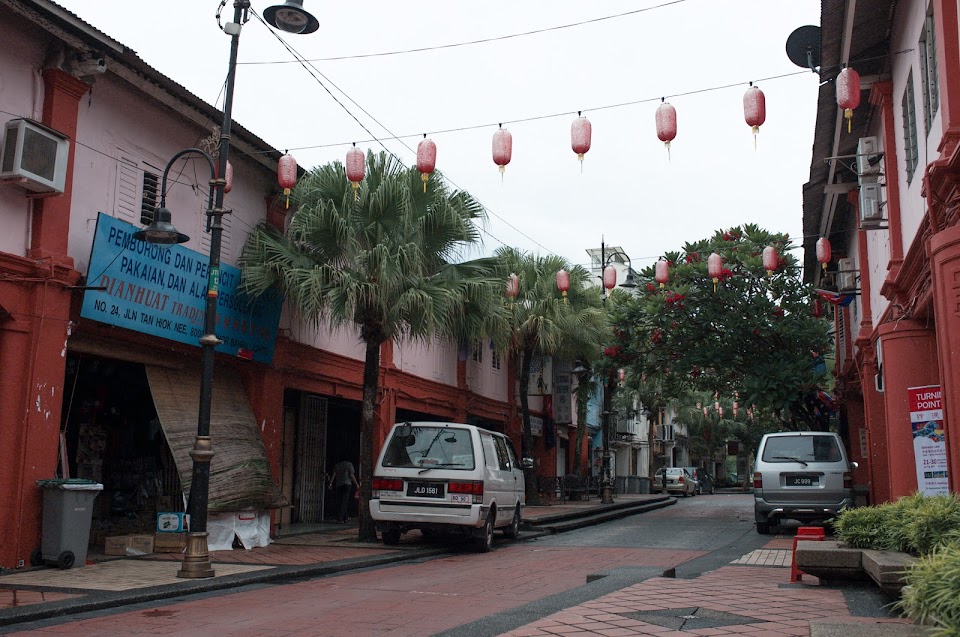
(628, 192)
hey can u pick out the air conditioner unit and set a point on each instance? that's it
(868, 160)
(870, 212)
(846, 275)
(34, 156)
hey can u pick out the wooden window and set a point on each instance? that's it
(928, 71)
(908, 106)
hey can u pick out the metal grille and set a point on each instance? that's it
(39, 154)
(311, 451)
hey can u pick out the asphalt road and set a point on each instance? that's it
(462, 593)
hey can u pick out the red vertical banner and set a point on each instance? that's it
(929, 439)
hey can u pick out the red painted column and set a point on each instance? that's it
(51, 215)
(875, 421)
(944, 250)
(909, 360)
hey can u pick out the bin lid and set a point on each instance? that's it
(70, 484)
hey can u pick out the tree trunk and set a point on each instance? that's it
(527, 443)
(371, 385)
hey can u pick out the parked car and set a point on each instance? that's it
(447, 478)
(679, 481)
(801, 476)
(703, 480)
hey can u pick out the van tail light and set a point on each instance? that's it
(757, 480)
(847, 480)
(472, 487)
(386, 484)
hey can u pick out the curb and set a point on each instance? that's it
(101, 601)
(562, 525)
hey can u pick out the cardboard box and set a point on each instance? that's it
(142, 543)
(115, 545)
(138, 545)
(169, 542)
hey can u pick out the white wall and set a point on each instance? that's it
(21, 95)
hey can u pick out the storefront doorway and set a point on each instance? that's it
(110, 433)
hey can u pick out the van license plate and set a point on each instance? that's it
(803, 481)
(424, 490)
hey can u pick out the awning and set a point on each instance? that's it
(240, 476)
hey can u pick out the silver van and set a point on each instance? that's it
(801, 476)
(446, 478)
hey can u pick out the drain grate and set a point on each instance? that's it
(691, 618)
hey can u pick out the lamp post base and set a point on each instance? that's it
(196, 560)
(606, 494)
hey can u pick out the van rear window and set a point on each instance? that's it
(430, 447)
(807, 448)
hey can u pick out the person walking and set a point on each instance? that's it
(343, 481)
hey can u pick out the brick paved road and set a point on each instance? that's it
(521, 589)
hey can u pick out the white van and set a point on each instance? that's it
(447, 478)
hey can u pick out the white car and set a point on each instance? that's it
(447, 478)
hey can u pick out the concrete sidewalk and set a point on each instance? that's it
(108, 582)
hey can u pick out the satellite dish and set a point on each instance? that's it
(803, 47)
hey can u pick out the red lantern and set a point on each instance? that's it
(580, 132)
(356, 168)
(823, 251)
(666, 123)
(609, 277)
(513, 286)
(563, 283)
(754, 110)
(502, 148)
(287, 174)
(621, 374)
(662, 272)
(228, 177)
(848, 93)
(817, 309)
(426, 159)
(770, 260)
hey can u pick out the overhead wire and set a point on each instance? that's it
(314, 72)
(477, 41)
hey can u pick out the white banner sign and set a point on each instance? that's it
(929, 439)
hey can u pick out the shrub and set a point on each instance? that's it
(932, 523)
(932, 590)
(863, 528)
(914, 524)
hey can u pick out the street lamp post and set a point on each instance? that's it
(606, 480)
(291, 18)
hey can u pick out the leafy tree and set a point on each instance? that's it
(750, 332)
(543, 324)
(383, 263)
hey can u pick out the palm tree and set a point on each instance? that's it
(542, 324)
(382, 263)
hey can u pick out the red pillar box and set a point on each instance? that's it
(909, 360)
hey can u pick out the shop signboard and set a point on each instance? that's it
(929, 439)
(536, 425)
(541, 376)
(161, 290)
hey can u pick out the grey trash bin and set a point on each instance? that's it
(67, 512)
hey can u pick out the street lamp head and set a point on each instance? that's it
(631, 282)
(291, 17)
(581, 371)
(161, 230)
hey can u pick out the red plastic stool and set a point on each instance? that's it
(805, 534)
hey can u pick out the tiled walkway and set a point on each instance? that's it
(733, 600)
(766, 557)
